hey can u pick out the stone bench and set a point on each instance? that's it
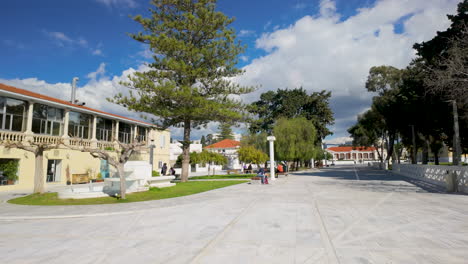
(255, 180)
(235, 171)
(281, 174)
(161, 181)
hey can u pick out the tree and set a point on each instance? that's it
(291, 104)
(189, 82)
(203, 141)
(249, 154)
(37, 149)
(205, 157)
(225, 131)
(295, 139)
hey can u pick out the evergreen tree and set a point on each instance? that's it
(189, 82)
(225, 131)
(203, 141)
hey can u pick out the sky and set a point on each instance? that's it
(314, 44)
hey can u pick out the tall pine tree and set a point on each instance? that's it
(189, 82)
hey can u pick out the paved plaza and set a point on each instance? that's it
(335, 215)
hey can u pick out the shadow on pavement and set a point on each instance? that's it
(372, 180)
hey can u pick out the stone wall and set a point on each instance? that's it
(435, 174)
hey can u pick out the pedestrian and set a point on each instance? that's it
(245, 168)
(172, 171)
(164, 169)
(249, 169)
(261, 174)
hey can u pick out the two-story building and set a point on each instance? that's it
(27, 117)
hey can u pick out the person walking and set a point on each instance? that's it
(164, 169)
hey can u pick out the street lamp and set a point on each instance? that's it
(272, 139)
(151, 147)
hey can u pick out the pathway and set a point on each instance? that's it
(336, 215)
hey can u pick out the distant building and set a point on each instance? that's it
(353, 153)
(227, 148)
(176, 149)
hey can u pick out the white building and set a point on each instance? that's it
(227, 148)
(353, 153)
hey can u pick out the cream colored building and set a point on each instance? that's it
(30, 117)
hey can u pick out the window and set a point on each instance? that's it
(125, 133)
(47, 120)
(162, 140)
(53, 170)
(104, 129)
(141, 136)
(79, 125)
(12, 114)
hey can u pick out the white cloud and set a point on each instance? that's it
(97, 52)
(101, 70)
(119, 3)
(246, 33)
(244, 58)
(59, 37)
(338, 141)
(321, 52)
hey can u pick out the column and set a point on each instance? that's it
(66, 121)
(272, 139)
(29, 118)
(93, 135)
(116, 135)
(135, 133)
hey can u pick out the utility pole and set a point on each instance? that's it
(415, 151)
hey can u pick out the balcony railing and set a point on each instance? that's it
(11, 136)
(79, 142)
(44, 139)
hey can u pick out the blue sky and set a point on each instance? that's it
(55, 40)
(317, 44)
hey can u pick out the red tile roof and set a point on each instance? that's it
(55, 100)
(226, 143)
(349, 149)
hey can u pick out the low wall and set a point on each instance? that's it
(435, 174)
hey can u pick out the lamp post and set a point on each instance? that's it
(151, 147)
(272, 139)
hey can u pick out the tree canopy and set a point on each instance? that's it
(188, 84)
(295, 139)
(292, 103)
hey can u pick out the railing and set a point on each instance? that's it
(105, 145)
(12, 136)
(435, 174)
(47, 139)
(79, 142)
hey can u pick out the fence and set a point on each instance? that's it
(435, 174)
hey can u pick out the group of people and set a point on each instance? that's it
(164, 170)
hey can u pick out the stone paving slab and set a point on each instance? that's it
(326, 216)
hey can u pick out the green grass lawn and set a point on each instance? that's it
(217, 177)
(181, 189)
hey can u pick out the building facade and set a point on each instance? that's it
(353, 153)
(27, 117)
(227, 148)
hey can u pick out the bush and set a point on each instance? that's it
(156, 174)
(10, 169)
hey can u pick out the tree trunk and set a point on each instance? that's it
(186, 152)
(39, 172)
(390, 144)
(425, 152)
(436, 158)
(123, 184)
(398, 152)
